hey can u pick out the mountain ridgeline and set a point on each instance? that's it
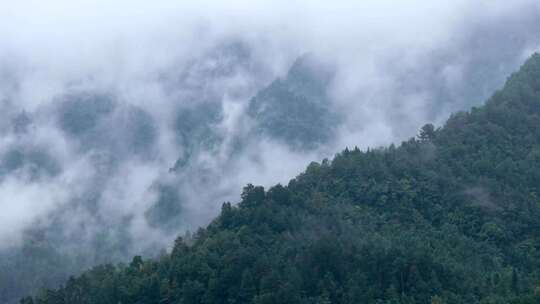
(451, 216)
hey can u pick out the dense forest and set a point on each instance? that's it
(450, 216)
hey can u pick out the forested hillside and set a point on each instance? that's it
(297, 110)
(451, 216)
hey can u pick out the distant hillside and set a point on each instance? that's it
(110, 132)
(452, 216)
(297, 110)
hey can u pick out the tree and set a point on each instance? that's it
(252, 195)
(427, 132)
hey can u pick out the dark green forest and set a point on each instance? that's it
(449, 216)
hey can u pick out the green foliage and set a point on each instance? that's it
(451, 217)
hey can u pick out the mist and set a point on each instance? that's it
(126, 124)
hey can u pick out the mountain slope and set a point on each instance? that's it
(297, 110)
(207, 130)
(450, 217)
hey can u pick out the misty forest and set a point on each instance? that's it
(261, 152)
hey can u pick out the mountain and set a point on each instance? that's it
(109, 134)
(452, 216)
(297, 110)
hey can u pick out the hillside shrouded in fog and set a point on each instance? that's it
(448, 216)
(125, 125)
